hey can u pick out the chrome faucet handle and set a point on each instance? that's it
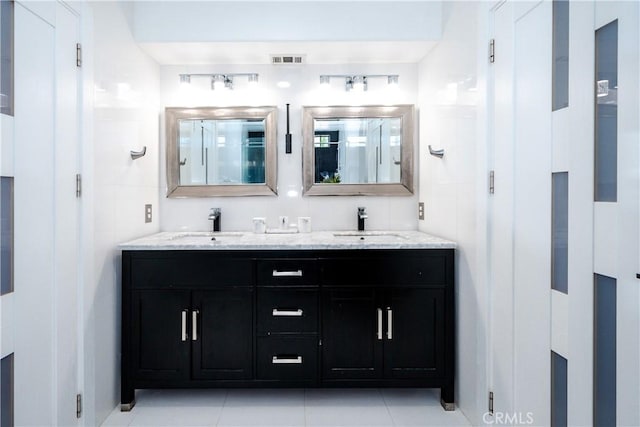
(214, 213)
(362, 213)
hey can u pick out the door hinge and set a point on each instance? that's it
(491, 402)
(78, 405)
(492, 182)
(78, 185)
(78, 55)
(492, 51)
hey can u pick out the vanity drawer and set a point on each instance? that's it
(287, 358)
(287, 310)
(286, 272)
(190, 271)
(384, 269)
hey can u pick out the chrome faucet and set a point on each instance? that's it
(362, 215)
(214, 215)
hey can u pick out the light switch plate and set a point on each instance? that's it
(147, 213)
(421, 211)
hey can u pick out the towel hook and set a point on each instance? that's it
(436, 153)
(138, 154)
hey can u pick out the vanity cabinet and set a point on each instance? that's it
(159, 352)
(382, 334)
(180, 334)
(287, 318)
(386, 316)
(222, 334)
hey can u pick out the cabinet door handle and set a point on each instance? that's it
(292, 313)
(389, 323)
(277, 360)
(194, 325)
(379, 323)
(184, 325)
(296, 273)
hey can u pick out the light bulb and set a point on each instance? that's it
(325, 82)
(253, 80)
(359, 83)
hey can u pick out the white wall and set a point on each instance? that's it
(166, 21)
(125, 93)
(327, 213)
(450, 186)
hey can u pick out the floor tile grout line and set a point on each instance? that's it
(224, 403)
(393, 421)
(305, 405)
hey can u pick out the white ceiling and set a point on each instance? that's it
(361, 52)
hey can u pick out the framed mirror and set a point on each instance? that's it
(221, 151)
(365, 150)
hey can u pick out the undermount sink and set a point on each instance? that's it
(204, 235)
(376, 236)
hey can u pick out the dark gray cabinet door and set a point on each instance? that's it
(351, 348)
(160, 350)
(223, 344)
(415, 349)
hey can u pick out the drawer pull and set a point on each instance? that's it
(184, 325)
(297, 273)
(287, 360)
(291, 313)
(194, 325)
(389, 323)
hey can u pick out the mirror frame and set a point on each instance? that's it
(173, 114)
(403, 188)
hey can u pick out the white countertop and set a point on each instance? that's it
(289, 241)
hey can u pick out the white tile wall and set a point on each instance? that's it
(125, 116)
(327, 213)
(449, 108)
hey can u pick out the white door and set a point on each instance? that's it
(34, 218)
(46, 146)
(520, 212)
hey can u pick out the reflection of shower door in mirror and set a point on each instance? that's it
(373, 147)
(253, 158)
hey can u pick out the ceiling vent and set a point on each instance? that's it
(287, 59)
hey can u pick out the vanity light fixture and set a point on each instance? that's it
(357, 82)
(220, 81)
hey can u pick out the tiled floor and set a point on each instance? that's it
(311, 407)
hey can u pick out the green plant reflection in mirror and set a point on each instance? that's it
(357, 150)
(364, 150)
